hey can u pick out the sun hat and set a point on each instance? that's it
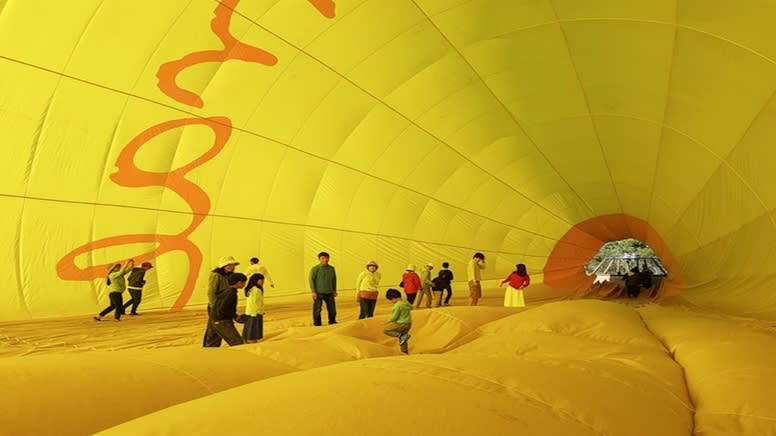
(372, 263)
(430, 264)
(411, 267)
(227, 260)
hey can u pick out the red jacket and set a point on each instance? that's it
(411, 282)
(516, 281)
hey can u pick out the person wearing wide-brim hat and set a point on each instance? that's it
(217, 283)
(367, 290)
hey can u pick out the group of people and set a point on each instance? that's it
(118, 282)
(420, 288)
(224, 284)
(323, 287)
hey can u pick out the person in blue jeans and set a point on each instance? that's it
(323, 284)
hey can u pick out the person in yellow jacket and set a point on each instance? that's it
(253, 320)
(474, 277)
(116, 286)
(425, 290)
(366, 290)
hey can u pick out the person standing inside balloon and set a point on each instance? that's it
(516, 282)
(116, 287)
(473, 276)
(135, 283)
(217, 282)
(633, 282)
(410, 281)
(255, 268)
(366, 290)
(445, 280)
(253, 324)
(224, 311)
(426, 285)
(323, 284)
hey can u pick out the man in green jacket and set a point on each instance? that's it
(323, 284)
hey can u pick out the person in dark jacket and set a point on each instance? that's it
(224, 311)
(217, 283)
(135, 283)
(646, 278)
(445, 279)
(633, 282)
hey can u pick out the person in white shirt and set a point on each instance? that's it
(473, 275)
(255, 268)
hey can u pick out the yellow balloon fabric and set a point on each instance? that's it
(178, 132)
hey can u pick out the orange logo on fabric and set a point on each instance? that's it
(129, 175)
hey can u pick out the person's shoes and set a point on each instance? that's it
(133, 314)
(332, 322)
(97, 318)
(404, 338)
(116, 319)
(405, 352)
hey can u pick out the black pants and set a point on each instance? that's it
(212, 338)
(448, 292)
(331, 308)
(116, 304)
(411, 298)
(367, 308)
(137, 295)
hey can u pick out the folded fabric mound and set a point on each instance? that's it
(728, 366)
(581, 367)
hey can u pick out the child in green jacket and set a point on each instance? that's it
(400, 321)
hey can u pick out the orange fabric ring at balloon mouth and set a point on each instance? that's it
(564, 269)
